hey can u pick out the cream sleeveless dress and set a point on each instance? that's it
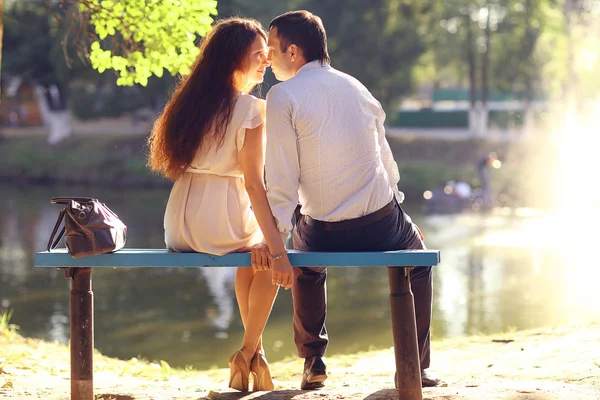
(209, 209)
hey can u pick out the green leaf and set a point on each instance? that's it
(158, 71)
(184, 69)
(165, 30)
(108, 4)
(142, 80)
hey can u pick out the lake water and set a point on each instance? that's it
(497, 273)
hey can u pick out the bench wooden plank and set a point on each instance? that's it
(60, 258)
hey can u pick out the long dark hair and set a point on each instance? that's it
(197, 114)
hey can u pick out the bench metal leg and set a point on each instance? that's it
(82, 333)
(404, 328)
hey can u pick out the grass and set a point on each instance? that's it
(100, 160)
(6, 328)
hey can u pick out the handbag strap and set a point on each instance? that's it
(67, 200)
(52, 243)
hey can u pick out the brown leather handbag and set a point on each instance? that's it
(90, 227)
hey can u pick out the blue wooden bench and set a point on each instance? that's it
(82, 314)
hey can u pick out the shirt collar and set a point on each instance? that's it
(311, 65)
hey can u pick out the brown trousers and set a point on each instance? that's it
(395, 231)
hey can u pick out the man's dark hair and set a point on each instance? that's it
(305, 30)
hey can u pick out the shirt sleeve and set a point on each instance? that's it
(254, 118)
(390, 165)
(282, 167)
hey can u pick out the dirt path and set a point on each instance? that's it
(545, 364)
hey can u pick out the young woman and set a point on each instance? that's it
(210, 140)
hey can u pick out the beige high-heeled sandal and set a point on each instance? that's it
(261, 375)
(239, 372)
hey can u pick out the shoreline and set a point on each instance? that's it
(119, 162)
(546, 363)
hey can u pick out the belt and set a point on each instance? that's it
(352, 223)
(211, 172)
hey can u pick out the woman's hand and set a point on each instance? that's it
(259, 256)
(283, 274)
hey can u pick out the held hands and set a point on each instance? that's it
(259, 257)
(282, 272)
(281, 267)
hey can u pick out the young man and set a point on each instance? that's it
(329, 164)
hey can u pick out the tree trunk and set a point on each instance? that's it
(472, 78)
(1, 27)
(55, 114)
(1, 35)
(529, 122)
(483, 112)
(571, 83)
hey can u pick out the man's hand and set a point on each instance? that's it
(259, 256)
(282, 272)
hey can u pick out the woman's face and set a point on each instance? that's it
(257, 61)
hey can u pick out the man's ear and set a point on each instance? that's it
(294, 52)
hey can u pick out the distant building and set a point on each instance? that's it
(431, 107)
(457, 99)
(19, 106)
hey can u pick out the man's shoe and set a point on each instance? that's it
(314, 373)
(427, 380)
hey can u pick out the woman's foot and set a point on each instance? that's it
(259, 367)
(239, 372)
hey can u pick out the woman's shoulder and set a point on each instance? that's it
(251, 101)
(251, 105)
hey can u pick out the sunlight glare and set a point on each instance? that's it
(578, 214)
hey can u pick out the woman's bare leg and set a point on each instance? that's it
(255, 295)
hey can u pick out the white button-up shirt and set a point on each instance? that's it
(326, 148)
